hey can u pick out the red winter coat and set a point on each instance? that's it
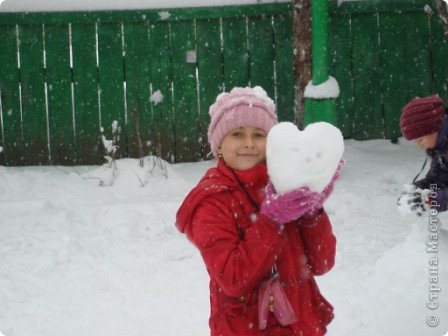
(240, 246)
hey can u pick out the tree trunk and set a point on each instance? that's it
(442, 8)
(302, 54)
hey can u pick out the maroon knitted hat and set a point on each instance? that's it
(421, 116)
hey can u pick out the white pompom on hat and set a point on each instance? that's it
(239, 108)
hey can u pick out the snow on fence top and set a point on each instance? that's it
(89, 5)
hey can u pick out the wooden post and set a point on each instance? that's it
(442, 8)
(302, 54)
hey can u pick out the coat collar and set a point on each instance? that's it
(442, 137)
(217, 180)
(255, 176)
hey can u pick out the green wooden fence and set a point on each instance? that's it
(66, 76)
(383, 54)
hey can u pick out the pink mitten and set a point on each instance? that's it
(321, 198)
(284, 208)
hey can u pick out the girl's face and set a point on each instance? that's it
(243, 148)
(427, 141)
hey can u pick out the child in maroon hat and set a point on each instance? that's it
(424, 121)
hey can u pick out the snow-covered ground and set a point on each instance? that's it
(80, 259)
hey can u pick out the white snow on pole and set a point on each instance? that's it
(326, 90)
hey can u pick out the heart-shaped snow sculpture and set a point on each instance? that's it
(297, 158)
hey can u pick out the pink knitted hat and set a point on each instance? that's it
(241, 107)
(421, 116)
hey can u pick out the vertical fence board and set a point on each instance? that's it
(161, 77)
(366, 78)
(10, 98)
(35, 149)
(138, 89)
(209, 72)
(439, 58)
(417, 64)
(261, 54)
(341, 69)
(392, 30)
(60, 116)
(284, 67)
(185, 92)
(85, 82)
(111, 77)
(236, 69)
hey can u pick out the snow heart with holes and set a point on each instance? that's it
(297, 158)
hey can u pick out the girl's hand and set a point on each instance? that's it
(284, 208)
(319, 203)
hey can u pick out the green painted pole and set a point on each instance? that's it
(319, 109)
(319, 49)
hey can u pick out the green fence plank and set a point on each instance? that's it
(210, 74)
(10, 122)
(393, 30)
(139, 130)
(341, 69)
(35, 150)
(60, 113)
(185, 92)
(439, 59)
(236, 68)
(284, 67)
(261, 54)
(111, 79)
(417, 65)
(161, 77)
(85, 81)
(366, 78)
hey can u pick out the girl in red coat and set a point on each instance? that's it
(262, 250)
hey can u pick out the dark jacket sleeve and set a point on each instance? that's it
(437, 178)
(442, 200)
